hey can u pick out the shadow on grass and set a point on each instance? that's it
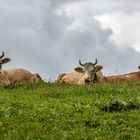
(117, 106)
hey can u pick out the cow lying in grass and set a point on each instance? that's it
(133, 76)
(16, 75)
(87, 73)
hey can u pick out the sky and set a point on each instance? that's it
(50, 36)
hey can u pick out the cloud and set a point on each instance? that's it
(123, 34)
(50, 36)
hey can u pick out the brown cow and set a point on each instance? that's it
(133, 76)
(88, 73)
(16, 75)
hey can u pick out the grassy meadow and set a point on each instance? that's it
(47, 111)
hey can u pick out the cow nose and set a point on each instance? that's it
(87, 80)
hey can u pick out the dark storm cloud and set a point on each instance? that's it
(37, 38)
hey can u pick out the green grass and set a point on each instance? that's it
(55, 111)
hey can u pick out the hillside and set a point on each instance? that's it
(57, 111)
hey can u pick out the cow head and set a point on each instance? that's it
(3, 60)
(89, 70)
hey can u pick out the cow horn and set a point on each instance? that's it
(2, 54)
(95, 61)
(81, 63)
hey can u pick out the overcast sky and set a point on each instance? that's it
(50, 36)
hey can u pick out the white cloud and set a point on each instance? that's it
(125, 27)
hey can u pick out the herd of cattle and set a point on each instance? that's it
(91, 73)
(88, 73)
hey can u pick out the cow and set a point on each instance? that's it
(133, 76)
(88, 73)
(16, 75)
(3, 60)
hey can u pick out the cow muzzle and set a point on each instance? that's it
(87, 80)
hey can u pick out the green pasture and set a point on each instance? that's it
(48, 111)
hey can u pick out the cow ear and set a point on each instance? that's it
(5, 60)
(79, 69)
(98, 67)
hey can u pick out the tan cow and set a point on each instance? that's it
(88, 73)
(16, 75)
(133, 76)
